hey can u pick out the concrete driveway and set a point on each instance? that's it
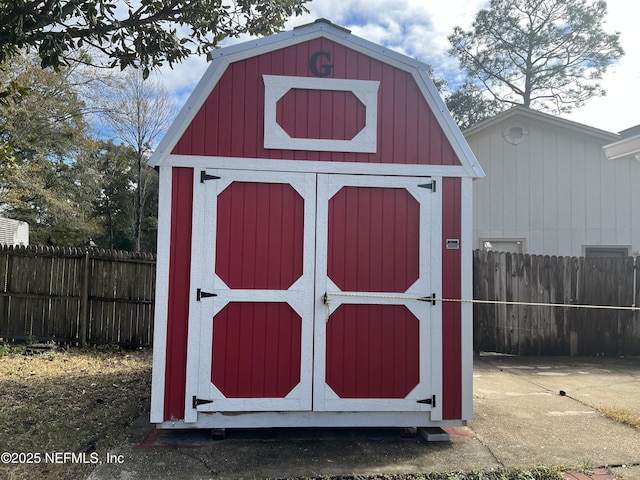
(528, 411)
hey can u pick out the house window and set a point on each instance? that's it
(511, 245)
(606, 251)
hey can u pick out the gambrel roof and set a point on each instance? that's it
(193, 130)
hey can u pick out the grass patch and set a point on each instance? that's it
(620, 415)
(69, 401)
(514, 473)
(8, 349)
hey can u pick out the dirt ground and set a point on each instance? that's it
(61, 410)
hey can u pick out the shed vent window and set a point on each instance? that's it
(515, 134)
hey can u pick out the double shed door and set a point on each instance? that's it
(309, 294)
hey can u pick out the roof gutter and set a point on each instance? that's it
(626, 148)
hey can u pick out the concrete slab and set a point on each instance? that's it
(520, 420)
(627, 473)
(522, 417)
(600, 381)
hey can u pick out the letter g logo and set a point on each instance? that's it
(326, 68)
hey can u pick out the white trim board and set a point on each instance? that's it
(312, 419)
(162, 292)
(277, 86)
(312, 166)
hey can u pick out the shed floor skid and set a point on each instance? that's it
(311, 419)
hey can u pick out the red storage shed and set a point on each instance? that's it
(315, 207)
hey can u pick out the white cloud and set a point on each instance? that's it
(420, 29)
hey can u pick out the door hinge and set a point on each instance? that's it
(200, 294)
(195, 402)
(431, 185)
(429, 401)
(431, 299)
(204, 176)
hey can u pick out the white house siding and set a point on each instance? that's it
(556, 189)
(13, 232)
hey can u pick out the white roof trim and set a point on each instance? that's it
(312, 31)
(448, 125)
(543, 117)
(628, 147)
(225, 56)
(189, 110)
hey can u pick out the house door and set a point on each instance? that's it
(311, 294)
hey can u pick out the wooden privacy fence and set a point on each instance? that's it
(546, 330)
(93, 296)
(76, 296)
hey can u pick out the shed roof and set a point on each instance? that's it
(224, 57)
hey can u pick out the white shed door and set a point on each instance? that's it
(376, 341)
(310, 294)
(252, 322)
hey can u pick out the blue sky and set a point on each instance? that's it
(419, 29)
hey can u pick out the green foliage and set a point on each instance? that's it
(52, 355)
(114, 205)
(48, 195)
(469, 106)
(10, 349)
(12, 92)
(545, 54)
(48, 118)
(69, 187)
(147, 34)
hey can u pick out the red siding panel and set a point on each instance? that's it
(179, 285)
(373, 239)
(451, 311)
(252, 97)
(256, 350)
(231, 121)
(373, 351)
(259, 243)
(340, 116)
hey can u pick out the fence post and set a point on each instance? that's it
(84, 300)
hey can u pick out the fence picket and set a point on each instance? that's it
(41, 295)
(541, 330)
(41, 292)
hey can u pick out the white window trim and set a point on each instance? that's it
(621, 248)
(523, 242)
(365, 90)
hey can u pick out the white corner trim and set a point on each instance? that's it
(365, 90)
(162, 292)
